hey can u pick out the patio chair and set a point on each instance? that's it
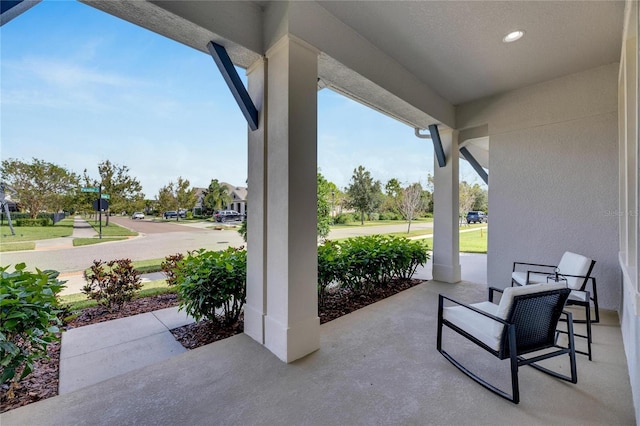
(574, 270)
(524, 322)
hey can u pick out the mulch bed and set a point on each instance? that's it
(42, 383)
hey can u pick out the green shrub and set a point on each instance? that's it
(390, 216)
(343, 218)
(189, 215)
(361, 264)
(329, 267)
(169, 267)
(374, 216)
(113, 283)
(34, 222)
(28, 321)
(210, 280)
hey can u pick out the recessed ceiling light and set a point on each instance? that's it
(513, 36)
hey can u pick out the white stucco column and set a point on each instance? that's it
(291, 324)
(446, 240)
(256, 304)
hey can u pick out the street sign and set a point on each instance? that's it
(106, 196)
(89, 189)
(100, 204)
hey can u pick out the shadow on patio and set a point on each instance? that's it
(378, 365)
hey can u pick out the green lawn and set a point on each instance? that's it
(26, 235)
(381, 222)
(470, 242)
(79, 300)
(77, 242)
(22, 245)
(64, 228)
(112, 230)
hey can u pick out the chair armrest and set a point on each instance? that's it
(441, 298)
(532, 264)
(492, 290)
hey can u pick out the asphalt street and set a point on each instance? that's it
(156, 240)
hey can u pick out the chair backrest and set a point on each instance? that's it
(535, 311)
(575, 264)
(536, 318)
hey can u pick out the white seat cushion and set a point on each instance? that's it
(578, 295)
(521, 278)
(477, 325)
(574, 264)
(485, 329)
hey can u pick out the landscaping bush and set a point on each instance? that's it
(169, 267)
(28, 321)
(113, 283)
(210, 280)
(390, 216)
(343, 218)
(361, 264)
(374, 216)
(45, 221)
(329, 267)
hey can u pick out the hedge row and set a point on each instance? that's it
(33, 222)
(361, 264)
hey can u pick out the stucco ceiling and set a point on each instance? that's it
(456, 47)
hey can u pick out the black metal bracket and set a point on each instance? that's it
(437, 145)
(474, 163)
(231, 77)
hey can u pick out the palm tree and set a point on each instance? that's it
(216, 196)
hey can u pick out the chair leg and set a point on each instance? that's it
(587, 308)
(595, 301)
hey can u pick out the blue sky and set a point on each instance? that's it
(79, 86)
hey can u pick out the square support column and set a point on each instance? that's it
(255, 307)
(446, 234)
(291, 322)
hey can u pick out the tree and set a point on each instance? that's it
(185, 196)
(467, 198)
(40, 185)
(177, 196)
(166, 198)
(364, 193)
(215, 197)
(410, 201)
(124, 190)
(324, 206)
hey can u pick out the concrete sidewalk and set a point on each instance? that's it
(98, 352)
(81, 229)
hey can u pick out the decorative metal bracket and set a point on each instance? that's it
(231, 77)
(437, 145)
(474, 163)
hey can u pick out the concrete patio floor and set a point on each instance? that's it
(378, 365)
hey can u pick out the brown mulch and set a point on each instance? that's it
(42, 383)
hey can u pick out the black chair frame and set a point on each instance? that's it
(526, 330)
(593, 295)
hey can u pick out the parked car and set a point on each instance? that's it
(137, 215)
(476, 217)
(228, 215)
(172, 214)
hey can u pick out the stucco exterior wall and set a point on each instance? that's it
(553, 175)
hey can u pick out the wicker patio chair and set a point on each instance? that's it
(524, 322)
(574, 270)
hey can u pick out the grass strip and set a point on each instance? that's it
(77, 242)
(64, 228)
(113, 230)
(79, 301)
(23, 245)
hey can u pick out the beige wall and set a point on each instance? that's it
(553, 175)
